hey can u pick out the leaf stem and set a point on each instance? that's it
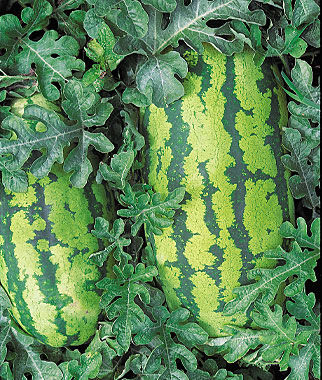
(286, 64)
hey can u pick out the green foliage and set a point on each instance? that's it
(118, 300)
(299, 265)
(27, 351)
(146, 207)
(280, 338)
(38, 53)
(95, 59)
(156, 76)
(115, 238)
(70, 19)
(302, 139)
(58, 134)
(160, 360)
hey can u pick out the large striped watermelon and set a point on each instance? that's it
(45, 244)
(222, 142)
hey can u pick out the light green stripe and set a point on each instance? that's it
(262, 215)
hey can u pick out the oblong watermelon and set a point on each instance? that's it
(222, 142)
(45, 244)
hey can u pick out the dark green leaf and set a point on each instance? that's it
(70, 19)
(133, 140)
(119, 302)
(149, 209)
(14, 153)
(303, 92)
(298, 264)
(300, 234)
(39, 53)
(134, 96)
(114, 237)
(309, 133)
(116, 174)
(304, 183)
(289, 42)
(27, 351)
(163, 357)
(128, 15)
(162, 5)
(156, 77)
(101, 50)
(87, 368)
(305, 11)
(312, 34)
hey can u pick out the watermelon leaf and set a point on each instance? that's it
(299, 264)
(27, 351)
(289, 43)
(70, 21)
(300, 233)
(87, 368)
(308, 132)
(5, 371)
(133, 140)
(128, 15)
(156, 76)
(119, 299)
(303, 307)
(147, 208)
(118, 171)
(9, 80)
(15, 153)
(114, 236)
(312, 34)
(100, 50)
(303, 92)
(104, 342)
(14, 38)
(137, 363)
(162, 359)
(292, 340)
(305, 12)
(304, 183)
(282, 338)
(162, 5)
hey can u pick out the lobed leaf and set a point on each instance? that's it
(156, 76)
(300, 234)
(148, 209)
(299, 265)
(116, 174)
(304, 183)
(15, 153)
(303, 92)
(114, 237)
(305, 12)
(70, 19)
(162, 359)
(101, 50)
(27, 357)
(21, 53)
(128, 15)
(119, 299)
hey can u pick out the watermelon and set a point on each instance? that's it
(221, 141)
(45, 244)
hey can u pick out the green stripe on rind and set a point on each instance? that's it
(212, 244)
(46, 243)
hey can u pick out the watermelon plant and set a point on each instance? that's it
(159, 189)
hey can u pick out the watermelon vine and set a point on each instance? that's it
(84, 170)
